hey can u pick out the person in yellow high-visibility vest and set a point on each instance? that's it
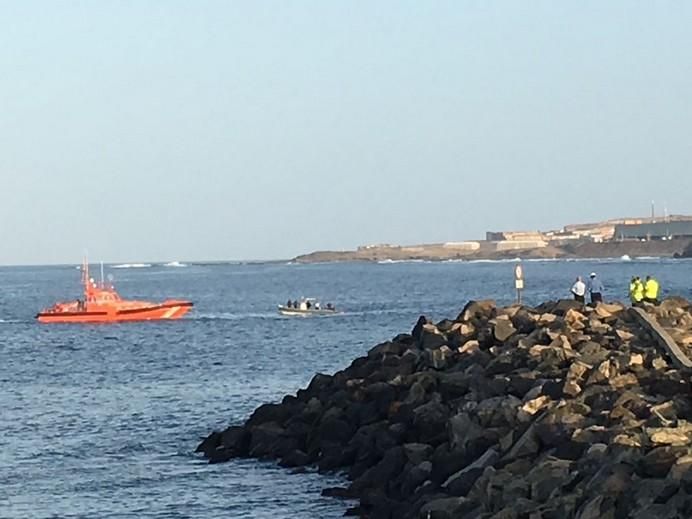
(651, 288)
(631, 291)
(636, 290)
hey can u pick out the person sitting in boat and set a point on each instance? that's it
(289, 304)
(317, 305)
(329, 306)
(308, 304)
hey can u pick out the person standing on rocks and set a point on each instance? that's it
(651, 290)
(579, 290)
(595, 288)
(636, 291)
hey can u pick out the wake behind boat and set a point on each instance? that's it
(307, 306)
(102, 303)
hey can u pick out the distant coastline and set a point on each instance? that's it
(440, 252)
(670, 236)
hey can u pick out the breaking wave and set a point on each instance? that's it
(391, 261)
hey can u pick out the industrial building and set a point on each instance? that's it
(664, 230)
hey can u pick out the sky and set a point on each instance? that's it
(219, 130)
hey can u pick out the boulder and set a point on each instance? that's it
(279, 413)
(658, 462)
(605, 310)
(335, 430)
(547, 477)
(431, 338)
(446, 461)
(417, 453)
(429, 421)
(462, 430)
(386, 469)
(525, 322)
(504, 329)
(415, 477)
(264, 438)
(681, 468)
(454, 384)
(469, 347)
(483, 309)
(565, 305)
(389, 347)
(295, 458)
(445, 508)
(534, 405)
(211, 442)
(438, 358)
(460, 483)
(680, 435)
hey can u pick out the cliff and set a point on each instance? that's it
(558, 411)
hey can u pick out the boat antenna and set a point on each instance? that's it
(102, 281)
(85, 275)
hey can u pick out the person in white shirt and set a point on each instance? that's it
(579, 290)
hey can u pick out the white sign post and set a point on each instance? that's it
(518, 281)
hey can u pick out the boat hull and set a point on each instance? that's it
(169, 310)
(284, 310)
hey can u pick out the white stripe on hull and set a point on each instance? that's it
(170, 312)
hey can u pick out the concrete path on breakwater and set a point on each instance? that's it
(662, 337)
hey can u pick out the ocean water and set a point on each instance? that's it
(102, 420)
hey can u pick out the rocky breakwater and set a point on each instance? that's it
(557, 411)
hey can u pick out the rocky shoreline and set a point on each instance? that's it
(558, 411)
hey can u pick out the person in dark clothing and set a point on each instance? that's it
(596, 289)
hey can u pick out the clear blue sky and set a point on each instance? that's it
(162, 130)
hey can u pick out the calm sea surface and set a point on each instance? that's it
(102, 420)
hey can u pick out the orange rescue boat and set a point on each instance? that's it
(102, 304)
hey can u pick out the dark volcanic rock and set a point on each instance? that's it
(504, 329)
(558, 411)
(485, 309)
(295, 458)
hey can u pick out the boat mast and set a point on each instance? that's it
(85, 276)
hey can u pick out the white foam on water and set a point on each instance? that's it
(391, 261)
(505, 260)
(649, 258)
(132, 266)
